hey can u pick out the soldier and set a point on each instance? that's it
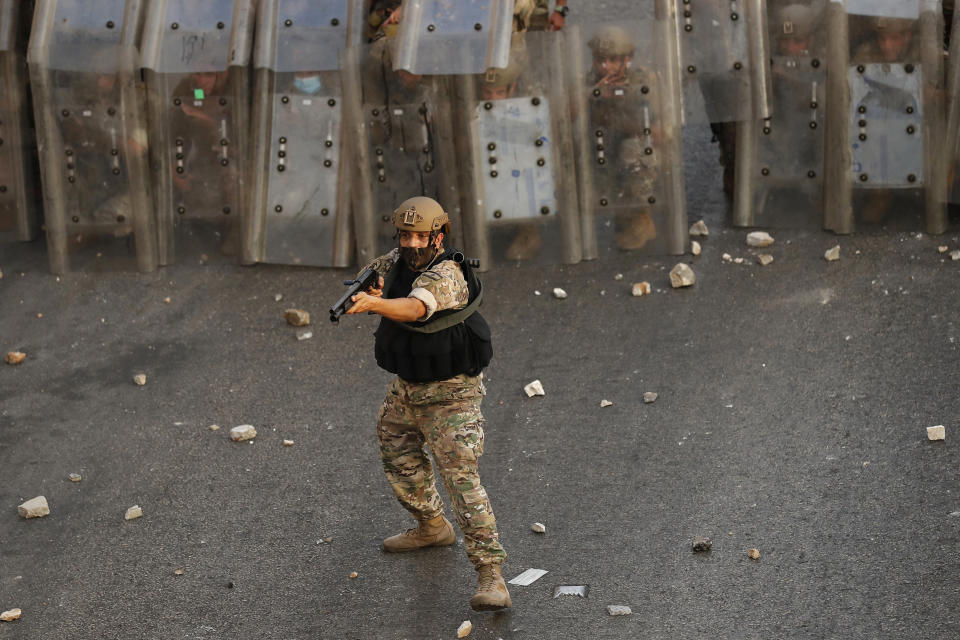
(893, 41)
(431, 336)
(543, 19)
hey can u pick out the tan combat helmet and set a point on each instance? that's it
(612, 41)
(797, 21)
(421, 214)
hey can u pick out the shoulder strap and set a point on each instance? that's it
(448, 321)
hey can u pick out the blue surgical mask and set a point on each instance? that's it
(310, 85)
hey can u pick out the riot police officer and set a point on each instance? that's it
(433, 339)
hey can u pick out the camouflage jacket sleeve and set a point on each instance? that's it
(441, 287)
(383, 264)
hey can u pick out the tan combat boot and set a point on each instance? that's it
(491, 592)
(436, 532)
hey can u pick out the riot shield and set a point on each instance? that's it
(402, 143)
(196, 56)
(454, 37)
(91, 123)
(894, 118)
(518, 162)
(723, 54)
(19, 210)
(782, 156)
(628, 138)
(300, 208)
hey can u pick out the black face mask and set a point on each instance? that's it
(418, 258)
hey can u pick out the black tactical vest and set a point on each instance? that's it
(451, 342)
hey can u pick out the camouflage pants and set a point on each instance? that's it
(444, 416)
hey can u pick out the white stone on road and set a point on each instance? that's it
(682, 276)
(759, 239)
(535, 388)
(34, 508)
(243, 432)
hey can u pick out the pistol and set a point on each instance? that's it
(368, 278)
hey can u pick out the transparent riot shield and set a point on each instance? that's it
(19, 182)
(454, 37)
(780, 159)
(628, 137)
(402, 143)
(300, 211)
(518, 163)
(91, 126)
(723, 54)
(196, 56)
(892, 118)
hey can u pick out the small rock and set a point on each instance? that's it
(649, 396)
(559, 293)
(166, 300)
(16, 357)
(764, 259)
(695, 248)
(943, 248)
(178, 571)
(140, 379)
(297, 317)
(464, 629)
(288, 443)
(832, 254)
(619, 276)
(955, 254)
(538, 527)
(75, 477)
(353, 574)
(682, 276)
(699, 228)
(726, 257)
(754, 554)
(133, 513)
(214, 427)
(243, 432)
(535, 388)
(618, 610)
(605, 403)
(10, 615)
(328, 540)
(702, 544)
(936, 433)
(277, 297)
(759, 239)
(304, 335)
(34, 508)
(738, 260)
(39, 316)
(536, 292)
(640, 288)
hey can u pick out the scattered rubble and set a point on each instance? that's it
(288, 443)
(559, 293)
(936, 433)
(640, 289)
(726, 257)
(682, 276)
(571, 590)
(764, 259)
(955, 254)
(464, 629)
(75, 477)
(702, 544)
(649, 396)
(277, 297)
(538, 527)
(140, 379)
(178, 571)
(304, 335)
(243, 432)
(133, 513)
(618, 277)
(618, 610)
(535, 388)
(832, 254)
(353, 574)
(214, 427)
(759, 239)
(699, 228)
(738, 260)
(15, 357)
(297, 317)
(10, 615)
(943, 248)
(605, 403)
(695, 247)
(754, 554)
(34, 508)
(166, 300)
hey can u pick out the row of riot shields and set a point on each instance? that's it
(856, 135)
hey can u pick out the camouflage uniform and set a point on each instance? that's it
(444, 416)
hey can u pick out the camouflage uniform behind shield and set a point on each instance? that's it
(895, 116)
(196, 56)
(91, 127)
(629, 139)
(19, 180)
(786, 177)
(299, 211)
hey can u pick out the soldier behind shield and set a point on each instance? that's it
(893, 40)
(432, 338)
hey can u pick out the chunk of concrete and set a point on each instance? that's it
(754, 554)
(682, 276)
(133, 513)
(759, 239)
(464, 629)
(15, 357)
(297, 317)
(640, 289)
(936, 433)
(618, 610)
(832, 254)
(243, 432)
(764, 259)
(140, 379)
(559, 293)
(538, 527)
(649, 397)
(10, 615)
(605, 403)
(34, 508)
(695, 248)
(702, 544)
(535, 388)
(699, 228)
